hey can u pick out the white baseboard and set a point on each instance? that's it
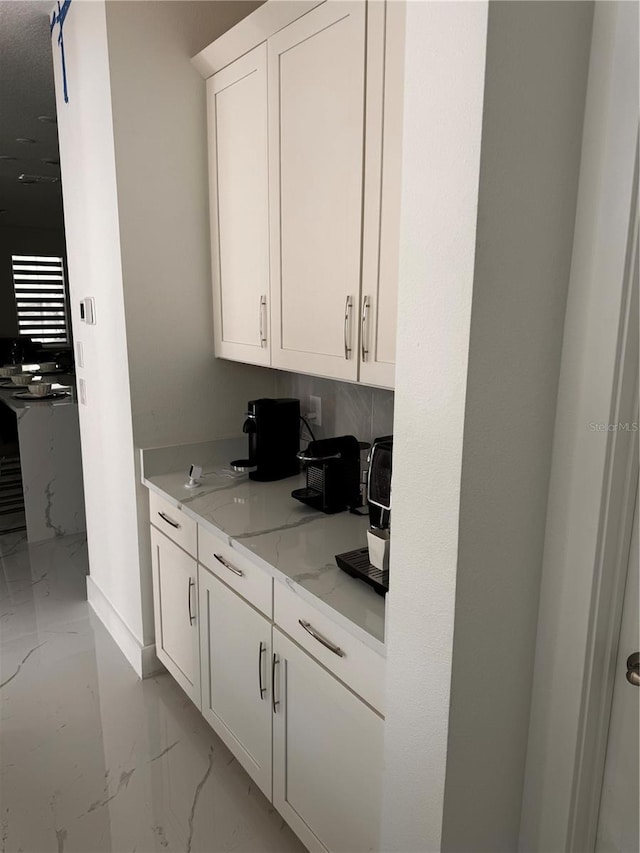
(150, 663)
(142, 658)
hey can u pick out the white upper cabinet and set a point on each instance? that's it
(305, 154)
(238, 175)
(316, 131)
(381, 219)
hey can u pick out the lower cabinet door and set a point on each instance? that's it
(175, 602)
(327, 755)
(235, 643)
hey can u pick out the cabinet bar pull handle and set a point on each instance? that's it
(347, 313)
(363, 330)
(228, 566)
(192, 618)
(169, 521)
(263, 690)
(316, 636)
(275, 703)
(263, 305)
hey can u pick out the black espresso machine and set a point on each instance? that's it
(333, 474)
(273, 429)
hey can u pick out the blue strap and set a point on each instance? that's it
(59, 19)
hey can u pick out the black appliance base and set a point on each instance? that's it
(317, 500)
(356, 563)
(261, 476)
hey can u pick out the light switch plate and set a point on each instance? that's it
(88, 310)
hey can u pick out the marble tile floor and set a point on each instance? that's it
(92, 758)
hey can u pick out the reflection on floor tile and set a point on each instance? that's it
(92, 759)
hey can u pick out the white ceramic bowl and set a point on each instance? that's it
(40, 389)
(10, 369)
(48, 366)
(22, 378)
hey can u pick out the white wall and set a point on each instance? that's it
(93, 251)
(482, 301)
(444, 75)
(180, 393)
(133, 159)
(535, 85)
(574, 582)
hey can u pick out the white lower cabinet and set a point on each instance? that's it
(310, 743)
(175, 602)
(327, 755)
(235, 643)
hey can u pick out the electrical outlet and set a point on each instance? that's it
(315, 410)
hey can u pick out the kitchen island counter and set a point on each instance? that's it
(294, 543)
(50, 462)
(63, 384)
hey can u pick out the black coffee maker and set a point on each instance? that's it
(273, 428)
(333, 474)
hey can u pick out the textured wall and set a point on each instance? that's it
(577, 599)
(535, 83)
(444, 73)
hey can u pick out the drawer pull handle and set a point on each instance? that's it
(263, 690)
(316, 636)
(347, 332)
(229, 566)
(363, 331)
(263, 309)
(192, 618)
(169, 521)
(274, 663)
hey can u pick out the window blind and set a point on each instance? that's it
(38, 283)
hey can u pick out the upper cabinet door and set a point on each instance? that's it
(238, 175)
(381, 225)
(316, 131)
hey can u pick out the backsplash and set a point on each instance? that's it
(347, 409)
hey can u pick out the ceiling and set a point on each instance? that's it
(26, 92)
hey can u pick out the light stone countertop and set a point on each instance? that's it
(291, 541)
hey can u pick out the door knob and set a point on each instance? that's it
(633, 669)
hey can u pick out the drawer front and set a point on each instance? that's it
(354, 663)
(173, 523)
(244, 577)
